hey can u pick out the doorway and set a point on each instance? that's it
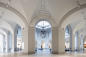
(68, 39)
(43, 37)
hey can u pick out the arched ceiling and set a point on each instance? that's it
(77, 21)
(10, 17)
(57, 8)
(74, 19)
(83, 33)
(80, 26)
(3, 31)
(5, 25)
(9, 20)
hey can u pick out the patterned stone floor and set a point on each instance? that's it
(47, 55)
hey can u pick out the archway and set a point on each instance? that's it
(19, 40)
(76, 18)
(6, 37)
(3, 43)
(77, 41)
(43, 37)
(68, 38)
(11, 18)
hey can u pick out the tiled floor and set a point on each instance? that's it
(48, 55)
(45, 54)
(43, 51)
(54, 55)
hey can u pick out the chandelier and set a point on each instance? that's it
(43, 31)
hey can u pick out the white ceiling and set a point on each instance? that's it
(57, 8)
(77, 21)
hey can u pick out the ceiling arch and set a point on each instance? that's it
(14, 12)
(2, 31)
(83, 34)
(42, 15)
(6, 25)
(71, 12)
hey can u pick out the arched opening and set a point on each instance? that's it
(13, 28)
(2, 43)
(5, 41)
(9, 42)
(76, 41)
(78, 23)
(43, 37)
(68, 39)
(82, 43)
(19, 39)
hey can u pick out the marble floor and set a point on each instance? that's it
(44, 53)
(48, 55)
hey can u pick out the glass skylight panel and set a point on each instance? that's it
(44, 24)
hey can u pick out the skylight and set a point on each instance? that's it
(43, 24)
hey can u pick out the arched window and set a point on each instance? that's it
(19, 39)
(76, 40)
(68, 38)
(43, 36)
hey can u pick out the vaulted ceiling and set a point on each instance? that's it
(57, 9)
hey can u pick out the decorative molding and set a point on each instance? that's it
(42, 13)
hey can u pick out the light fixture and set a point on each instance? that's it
(42, 9)
(43, 31)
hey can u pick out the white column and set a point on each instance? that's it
(7, 42)
(13, 42)
(82, 42)
(61, 40)
(25, 40)
(58, 40)
(79, 43)
(31, 40)
(73, 42)
(4, 43)
(54, 40)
